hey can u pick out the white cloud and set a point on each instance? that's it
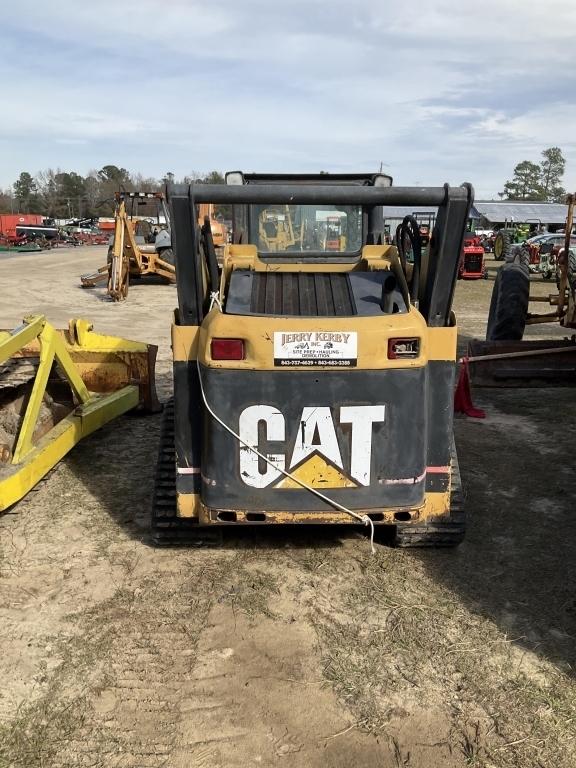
(439, 90)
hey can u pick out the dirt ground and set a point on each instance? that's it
(285, 648)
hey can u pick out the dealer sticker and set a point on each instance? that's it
(315, 348)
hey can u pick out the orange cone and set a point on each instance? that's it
(463, 394)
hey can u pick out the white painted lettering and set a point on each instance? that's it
(248, 430)
(362, 417)
(316, 422)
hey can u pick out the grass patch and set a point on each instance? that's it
(249, 589)
(387, 640)
(39, 730)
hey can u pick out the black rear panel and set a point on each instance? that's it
(473, 262)
(398, 456)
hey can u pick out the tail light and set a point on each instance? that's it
(403, 349)
(227, 349)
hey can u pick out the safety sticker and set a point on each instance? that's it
(315, 348)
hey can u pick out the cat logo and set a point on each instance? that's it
(316, 457)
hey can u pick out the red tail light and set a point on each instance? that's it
(227, 349)
(403, 349)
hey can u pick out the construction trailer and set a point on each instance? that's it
(313, 386)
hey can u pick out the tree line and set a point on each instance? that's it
(538, 181)
(68, 195)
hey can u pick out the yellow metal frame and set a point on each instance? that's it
(436, 505)
(36, 337)
(127, 258)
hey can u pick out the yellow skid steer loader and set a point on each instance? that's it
(314, 385)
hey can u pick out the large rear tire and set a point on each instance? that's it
(502, 245)
(167, 255)
(509, 304)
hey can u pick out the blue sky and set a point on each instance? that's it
(437, 91)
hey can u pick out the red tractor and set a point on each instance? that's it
(472, 265)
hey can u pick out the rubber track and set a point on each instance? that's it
(441, 533)
(166, 527)
(169, 529)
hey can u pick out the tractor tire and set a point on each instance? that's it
(167, 255)
(442, 532)
(502, 245)
(509, 304)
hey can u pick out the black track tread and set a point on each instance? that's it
(166, 527)
(506, 245)
(509, 304)
(447, 532)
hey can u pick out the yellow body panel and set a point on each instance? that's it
(190, 343)
(436, 505)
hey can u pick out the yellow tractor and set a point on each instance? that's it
(313, 386)
(137, 250)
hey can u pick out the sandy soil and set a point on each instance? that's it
(284, 648)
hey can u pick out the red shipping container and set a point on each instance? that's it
(9, 222)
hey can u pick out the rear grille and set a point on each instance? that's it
(303, 294)
(472, 262)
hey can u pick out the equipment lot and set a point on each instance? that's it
(276, 647)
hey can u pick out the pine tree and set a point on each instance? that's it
(552, 170)
(26, 194)
(525, 185)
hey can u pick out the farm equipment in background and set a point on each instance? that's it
(207, 215)
(137, 250)
(56, 387)
(426, 221)
(313, 387)
(543, 253)
(276, 229)
(510, 234)
(12, 243)
(472, 265)
(504, 359)
(334, 239)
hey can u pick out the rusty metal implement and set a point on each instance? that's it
(58, 386)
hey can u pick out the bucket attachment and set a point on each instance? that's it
(58, 386)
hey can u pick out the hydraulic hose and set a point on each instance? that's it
(410, 230)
